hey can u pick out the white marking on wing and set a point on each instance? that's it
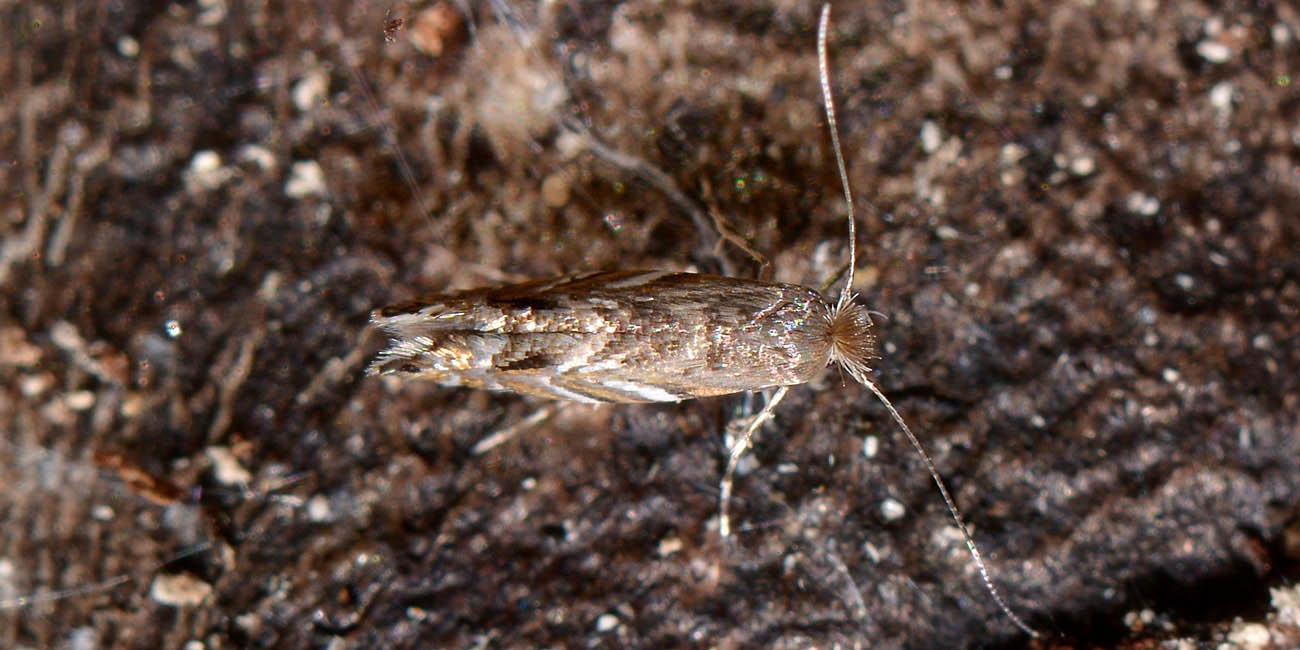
(607, 364)
(565, 393)
(642, 391)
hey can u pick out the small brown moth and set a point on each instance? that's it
(652, 336)
(626, 336)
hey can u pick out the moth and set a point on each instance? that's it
(626, 336)
(652, 336)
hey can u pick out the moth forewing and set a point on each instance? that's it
(624, 336)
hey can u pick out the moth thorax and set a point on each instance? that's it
(853, 346)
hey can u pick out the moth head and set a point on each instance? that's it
(853, 346)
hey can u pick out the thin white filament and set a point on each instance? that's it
(858, 370)
(733, 458)
(846, 294)
(952, 509)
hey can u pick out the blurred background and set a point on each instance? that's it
(1077, 223)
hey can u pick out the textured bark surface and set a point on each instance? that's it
(1080, 227)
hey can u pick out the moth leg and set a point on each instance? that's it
(737, 450)
(654, 177)
(729, 235)
(734, 238)
(501, 436)
(826, 287)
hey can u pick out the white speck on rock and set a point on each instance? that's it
(309, 92)
(318, 509)
(1221, 96)
(1249, 636)
(870, 446)
(606, 622)
(931, 137)
(892, 509)
(1213, 51)
(226, 467)
(306, 178)
(205, 172)
(1083, 166)
(179, 590)
(1143, 204)
(1286, 604)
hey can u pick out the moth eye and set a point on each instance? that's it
(409, 368)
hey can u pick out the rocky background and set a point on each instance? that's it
(1078, 222)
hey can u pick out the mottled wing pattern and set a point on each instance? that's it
(624, 336)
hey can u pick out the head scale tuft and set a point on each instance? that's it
(853, 346)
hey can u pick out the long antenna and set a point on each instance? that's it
(846, 296)
(956, 514)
